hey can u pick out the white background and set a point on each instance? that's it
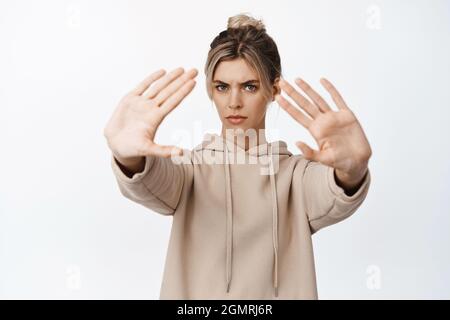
(66, 231)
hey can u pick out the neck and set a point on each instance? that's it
(243, 140)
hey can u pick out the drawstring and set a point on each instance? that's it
(229, 221)
(274, 220)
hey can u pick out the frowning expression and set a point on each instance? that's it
(238, 96)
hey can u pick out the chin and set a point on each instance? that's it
(238, 128)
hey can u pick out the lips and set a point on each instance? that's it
(236, 119)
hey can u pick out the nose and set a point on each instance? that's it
(235, 102)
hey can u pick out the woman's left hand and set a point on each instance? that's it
(342, 142)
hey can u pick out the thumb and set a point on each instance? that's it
(163, 151)
(309, 153)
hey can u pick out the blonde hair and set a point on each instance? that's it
(246, 38)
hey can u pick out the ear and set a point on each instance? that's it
(276, 88)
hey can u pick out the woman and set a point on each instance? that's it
(240, 230)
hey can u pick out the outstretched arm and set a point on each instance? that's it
(336, 177)
(342, 142)
(144, 169)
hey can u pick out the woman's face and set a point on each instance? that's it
(236, 91)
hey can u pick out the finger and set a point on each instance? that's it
(141, 87)
(307, 151)
(337, 98)
(168, 78)
(313, 95)
(293, 111)
(174, 86)
(175, 99)
(303, 103)
(157, 150)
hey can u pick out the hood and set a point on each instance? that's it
(212, 141)
(268, 154)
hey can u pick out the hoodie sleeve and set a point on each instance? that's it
(158, 187)
(326, 202)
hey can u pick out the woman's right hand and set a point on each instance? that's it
(131, 130)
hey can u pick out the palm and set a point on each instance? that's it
(340, 138)
(134, 131)
(132, 137)
(132, 128)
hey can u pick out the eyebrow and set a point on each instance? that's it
(248, 81)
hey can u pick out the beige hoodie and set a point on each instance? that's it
(241, 229)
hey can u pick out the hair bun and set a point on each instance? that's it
(243, 20)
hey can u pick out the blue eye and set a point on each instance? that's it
(253, 86)
(220, 85)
